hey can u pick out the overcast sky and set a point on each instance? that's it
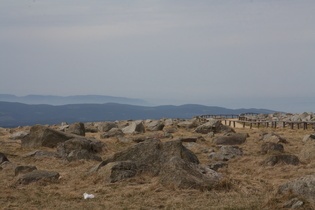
(232, 53)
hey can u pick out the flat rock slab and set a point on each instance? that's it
(231, 139)
(41, 154)
(37, 175)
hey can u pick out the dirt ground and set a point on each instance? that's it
(246, 183)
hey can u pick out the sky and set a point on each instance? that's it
(230, 53)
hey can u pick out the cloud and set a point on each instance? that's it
(180, 50)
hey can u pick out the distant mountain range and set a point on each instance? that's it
(14, 114)
(77, 99)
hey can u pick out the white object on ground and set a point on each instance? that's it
(85, 195)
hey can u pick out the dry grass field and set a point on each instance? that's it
(246, 183)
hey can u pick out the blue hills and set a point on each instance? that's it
(14, 114)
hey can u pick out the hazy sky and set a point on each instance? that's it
(232, 53)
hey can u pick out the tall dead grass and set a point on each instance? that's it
(246, 183)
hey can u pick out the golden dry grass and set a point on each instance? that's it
(246, 183)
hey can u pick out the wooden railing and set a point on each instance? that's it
(244, 119)
(272, 124)
(216, 116)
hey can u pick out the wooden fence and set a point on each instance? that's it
(230, 119)
(272, 124)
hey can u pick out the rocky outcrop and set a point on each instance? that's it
(171, 161)
(231, 139)
(303, 187)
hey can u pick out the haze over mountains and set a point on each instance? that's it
(76, 99)
(95, 108)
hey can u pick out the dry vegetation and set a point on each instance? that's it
(246, 184)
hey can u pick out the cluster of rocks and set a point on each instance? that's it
(171, 161)
(27, 174)
(297, 117)
(69, 146)
(174, 164)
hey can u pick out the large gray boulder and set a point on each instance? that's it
(272, 137)
(42, 136)
(112, 133)
(78, 148)
(178, 173)
(231, 139)
(281, 159)
(226, 153)
(270, 147)
(134, 127)
(308, 151)
(152, 153)
(212, 125)
(303, 187)
(106, 126)
(77, 128)
(154, 125)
